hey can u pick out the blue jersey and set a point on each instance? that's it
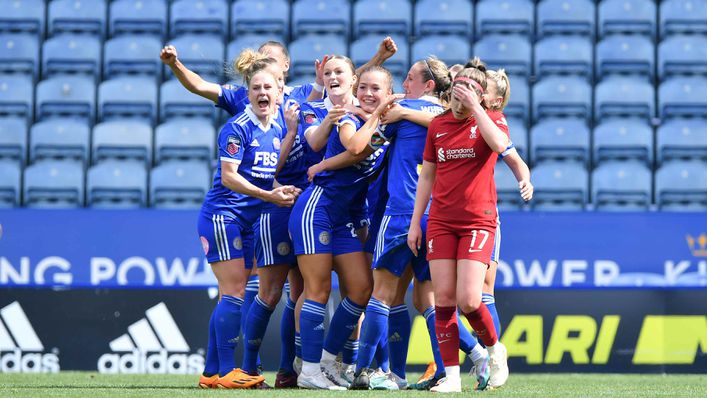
(233, 99)
(311, 115)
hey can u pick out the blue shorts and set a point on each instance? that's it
(319, 224)
(392, 252)
(273, 245)
(225, 237)
(376, 218)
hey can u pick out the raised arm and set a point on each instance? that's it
(386, 49)
(357, 142)
(292, 121)
(190, 80)
(317, 136)
(318, 86)
(495, 138)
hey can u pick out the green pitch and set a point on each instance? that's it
(74, 384)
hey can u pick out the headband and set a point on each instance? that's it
(470, 82)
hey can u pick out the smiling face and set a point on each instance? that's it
(415, 84)
(338, 78)
(263, 93)
(373, 88)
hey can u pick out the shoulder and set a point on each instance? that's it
(352, 120)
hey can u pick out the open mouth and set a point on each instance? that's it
(263, 103)
(334, 85)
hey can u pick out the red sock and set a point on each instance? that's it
(482, 322)
(447, 331)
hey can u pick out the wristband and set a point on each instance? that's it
(318, 87)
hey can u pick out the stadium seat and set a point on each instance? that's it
(682, 139)
(179, 185)
(683, 97)
(507, 192)
(633, 55)
(564, 55)
(683, 17)
(519, 103)
(122, 140)
(621, 186)
(511, 52)
(624, 97)
(16, 97)
(246, 41)
(19, 54)
(363, 49)
(128, 98)
(13, 139)
(138, 17)
(116, 184)
(202, 17)
(202, 54)
(560, 139)
(575, 17)
(562, 96)
(185, 140)
(450, 49)
(627, 17)
(25, 16)
(54, 184)
(77, 16)
(177, 102)
(623, 139)
(270, 17)
(559, 186)
(682, 55)
(444, 17)
(59, 139)
(382, 17)
(67, 96)
(682, 186)
(519, 136)
(507, 16)
(305, 50)
(321, 17)
(71, 54)
(132, 55)
(10, 177)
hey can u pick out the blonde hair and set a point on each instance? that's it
(503, 87)
(249, 62)
(454, 69)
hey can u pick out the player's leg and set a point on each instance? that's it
(286, 375)
(399, 327)
(488, 296)
(425, 304)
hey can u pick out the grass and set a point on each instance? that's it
(93, 385)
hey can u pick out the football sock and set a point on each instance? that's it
(467, 342)
(258, 319)
(227, 324)
(430, 319)
(447, 331)
(211, 364)
(481, 321)
(375, 325)
(490, 302)
(343, 322)
(312, 331)
(399, 327)
(287, 336)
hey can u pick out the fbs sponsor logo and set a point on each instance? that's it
(153, 344)
(20, 348)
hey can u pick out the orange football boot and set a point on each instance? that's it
(239, 379)
(208, 381)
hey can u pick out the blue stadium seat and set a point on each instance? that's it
(270, 17)
(321, 17)
(682, 55)
(511, 52)
(627, 17)
(507, 16)
(444, 17)
(54, 184)
(59, 139)
(19, 54)
(179, 185)
(622, 186)
(683, 17)
(177, 102)
(363, 49)
(623, 139)
(202, 54)
(67, 96)
(519, 103)
(122, 140)
(16, 96)
(683, 97)
(560, 140)
(682, 139)
(562, 96)
(519, 136)
(305, 50)
(246, 41)
(208, 17)
(564, 55)
(507, 192)
(10, 177)
(632, 55)
(128, 98)
(559, 186)
(132, 55)
(575, 17)
(23, 17)
(77, 16)
(185, 139)
(624, 97)
(13, 140)
(682, 186)
(138, 17)
(382, 17)
(71, 54)
(115, 184)
(450, 49)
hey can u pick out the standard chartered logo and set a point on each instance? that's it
(461, 153)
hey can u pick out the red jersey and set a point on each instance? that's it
(464, 191)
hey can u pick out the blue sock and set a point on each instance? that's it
(251, 290)
(298, 344)
(227, 324)
(312, 330)
(490, 302)
(429, 315)
(466, 341)
(375, 325)
(382, 359)
(258, 318)
(343, 322)
(398, 338)
(287, 336)
(211, 365)
(349, 354)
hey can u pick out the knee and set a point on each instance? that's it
(384, 295)
(270, 295)
(319, 293)
(361, 296)
(469, 302)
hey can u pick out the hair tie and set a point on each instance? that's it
(470, 82)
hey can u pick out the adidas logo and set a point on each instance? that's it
(395, 338)
(148, 345)
(255, 142)
(319, 327)
(20, 348)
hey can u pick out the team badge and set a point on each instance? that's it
(204, 244)
(283, 248)
(474, 129)
(309, 117)
(377, 141)
(324, 238)
(429, 246)
(276, 143)
(238, 243)
(233, 145)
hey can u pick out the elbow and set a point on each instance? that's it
(355, 151)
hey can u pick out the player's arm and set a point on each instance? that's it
(520, 171)
(318, 136)
(190, 80)
(318, 86)
(357, 142)
(422, 198)
(386, 49)
(340, 161)
(292, 121)
(495, 138)
(281, 196)
(396, 112)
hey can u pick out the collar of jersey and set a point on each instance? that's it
(253, 118)
(287, 90)
(328, 104)
(430, 98)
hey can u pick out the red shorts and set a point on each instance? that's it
(469, 242)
